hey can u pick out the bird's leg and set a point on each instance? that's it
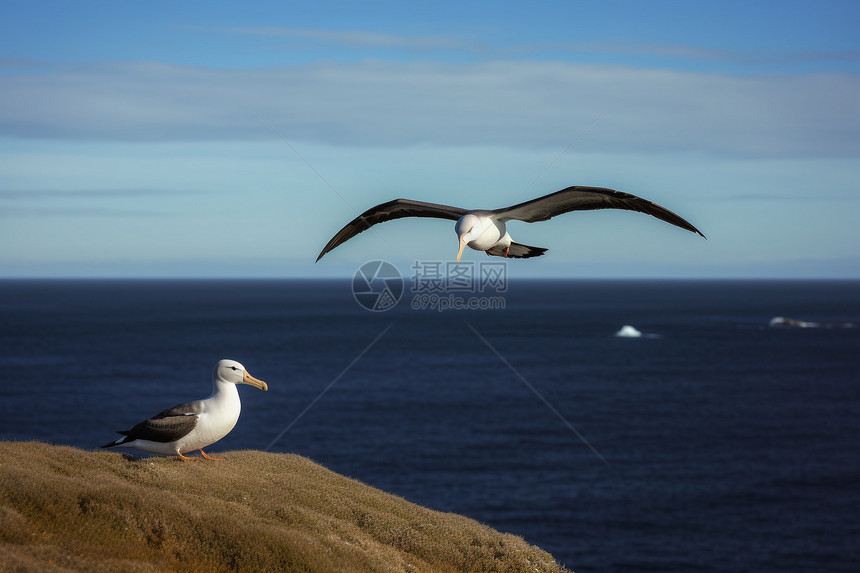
(507, 250)
(184, 458)
(208, 458)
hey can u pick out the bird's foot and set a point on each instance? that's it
(213, 459)
(184, 458)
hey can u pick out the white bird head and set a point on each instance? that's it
(468, 228)
(234, 373)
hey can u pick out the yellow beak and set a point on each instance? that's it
(248, 379)
(462, 246)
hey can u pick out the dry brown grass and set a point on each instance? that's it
(65, 509)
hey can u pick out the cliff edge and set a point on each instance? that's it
(66, 509)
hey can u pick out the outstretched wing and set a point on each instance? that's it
(586, 198)
(396, 209)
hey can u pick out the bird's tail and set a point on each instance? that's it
(118, 441)
(517, 251)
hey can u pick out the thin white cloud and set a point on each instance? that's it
(699, 53)
(369, 40)
(361, 39)
(110, 203)
(511, 104)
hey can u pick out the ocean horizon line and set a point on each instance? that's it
(335, 279)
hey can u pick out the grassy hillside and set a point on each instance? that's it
(65, 509)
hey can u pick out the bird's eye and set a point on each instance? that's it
(234, 368)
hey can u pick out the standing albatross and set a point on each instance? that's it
(194, 425)
(484, 230)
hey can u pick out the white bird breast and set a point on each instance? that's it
(492, 231)
(220, 415)
(209, 430)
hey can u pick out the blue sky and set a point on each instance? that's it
(219, 140)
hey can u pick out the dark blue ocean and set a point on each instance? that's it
(728, 445)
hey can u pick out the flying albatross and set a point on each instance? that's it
(484, 230)
(194, 425)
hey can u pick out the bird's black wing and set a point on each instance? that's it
(586, 198)
(166, 426)
(392, 210)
